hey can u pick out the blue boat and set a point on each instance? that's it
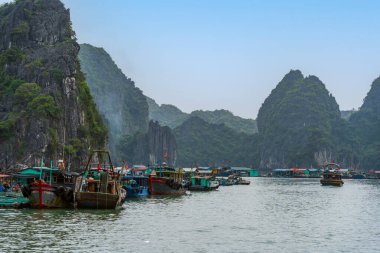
(136, 186)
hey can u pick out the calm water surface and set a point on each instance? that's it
(270, 215)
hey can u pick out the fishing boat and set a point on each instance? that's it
(166, 181)
(99, 187)
(242, 181)
(10, 193)
(224, 181)
(48, 187)
(203, 183)
(13, 200)
(331, 175)
(136, 186)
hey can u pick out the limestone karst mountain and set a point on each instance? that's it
(46, 108)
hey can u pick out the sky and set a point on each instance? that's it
(230, 54)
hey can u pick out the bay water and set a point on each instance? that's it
(270, 215)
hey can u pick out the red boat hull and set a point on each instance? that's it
(161, 186)
(45, 196)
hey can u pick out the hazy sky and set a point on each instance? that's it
(230, 54)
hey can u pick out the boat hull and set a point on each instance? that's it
(160, 186)
(45, 196)
(98, 200)
(134, 192)
(13, 200)
(332, 182)
(225, 182)
(136, 186)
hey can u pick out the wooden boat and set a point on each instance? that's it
(224, 181)
(10, 193)
(99, 188)
(13, 200)
(203, 183)
(166, 181)
(244, 182)
(136, 186)
(48, 187)
(238, 180)
(331, 175)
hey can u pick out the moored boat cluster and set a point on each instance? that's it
(101, 185)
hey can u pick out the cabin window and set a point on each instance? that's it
(54, 179)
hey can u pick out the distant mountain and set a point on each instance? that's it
(206, 144)
(169, 115)
(366, 125)
(120, 102)
(125, 111)
(300, 125)
(166, 115)
(225, 117)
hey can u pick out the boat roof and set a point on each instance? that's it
(204, 168)
(138, 166)
(326, 165)
(202, 177)
(189, 169)
(241, 168)
(295, 169)
(331, 171)
(3, 175)
(37, 169)
(25, 175)
(205, 171)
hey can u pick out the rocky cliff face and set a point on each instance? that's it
(120, 102)
(46, 109)
(156, 146)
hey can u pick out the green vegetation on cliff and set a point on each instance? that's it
(366, 125)
(347, 114)
(171, 116)
(300, 125)
(45, 103)
(121, 104)
(166, 115)
(226, 117)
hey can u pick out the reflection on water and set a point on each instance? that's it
(270, 215)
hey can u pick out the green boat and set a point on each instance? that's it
(203, 183)
(13, 200)
(10, 193)
(48, 187)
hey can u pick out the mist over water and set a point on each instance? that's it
(270, 215)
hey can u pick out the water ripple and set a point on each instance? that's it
(270, 215)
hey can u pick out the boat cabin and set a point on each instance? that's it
(332, 175)
(201, 181)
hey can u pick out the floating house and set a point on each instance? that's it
(373, 174)
(297, 172)
(245, 172)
